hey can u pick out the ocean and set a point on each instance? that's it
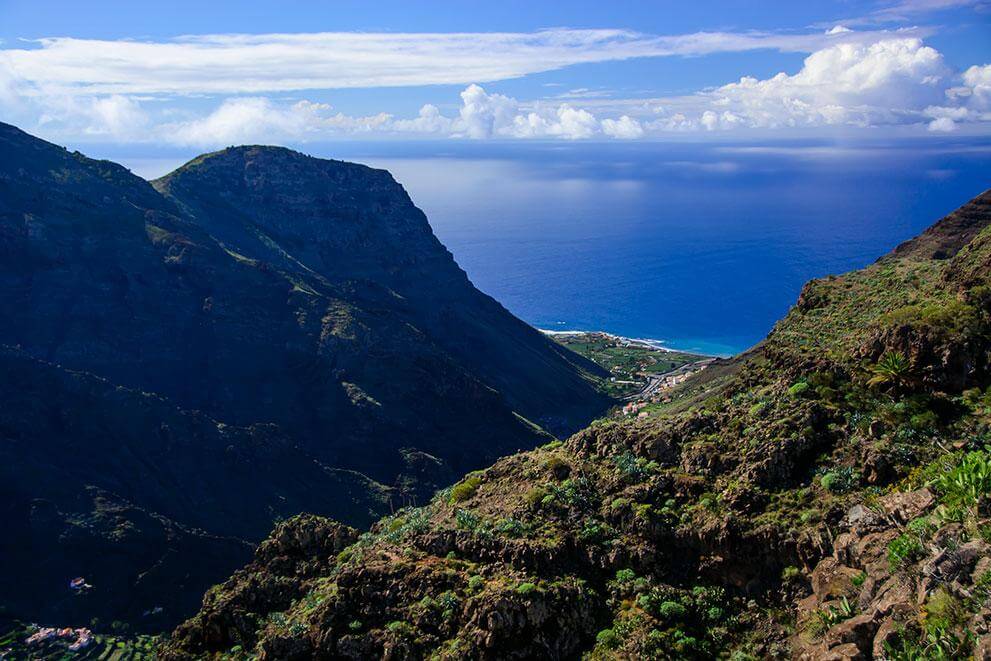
(700, 246)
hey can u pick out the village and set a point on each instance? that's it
(641, 372)
(658, 387)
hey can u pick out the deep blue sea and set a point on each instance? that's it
(701, 246)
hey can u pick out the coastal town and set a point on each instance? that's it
(641, 372)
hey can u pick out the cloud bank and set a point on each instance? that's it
(850, 79)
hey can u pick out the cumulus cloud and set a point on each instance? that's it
(842, 84)
(259, 119)
(624, 128)
(428, 120)
(977, 82)
(485, 115)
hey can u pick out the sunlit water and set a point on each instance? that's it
(701, 246)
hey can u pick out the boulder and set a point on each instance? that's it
(832, 580)
(845, 652)
(859, 630)
(905, 506)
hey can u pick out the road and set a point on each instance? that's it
(655, 381)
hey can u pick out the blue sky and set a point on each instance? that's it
(206, 74)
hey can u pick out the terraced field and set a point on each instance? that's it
(103, 647)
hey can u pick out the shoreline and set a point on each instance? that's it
(649, 343)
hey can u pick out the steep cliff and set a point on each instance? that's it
(307, 342)
(825, 495)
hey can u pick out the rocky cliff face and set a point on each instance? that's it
(307, 342)
(824, 496)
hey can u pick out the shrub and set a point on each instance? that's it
(558, 467)
(834, 614)
(798, 389)
(467, 520)
(625, 576)
(631, 466)
(619, 503)
(595, 531)
(476, 583)
(840, 480)
(400, 629)
(608, 639)
(511, 527)
(526, 588)
(535, 496)
(961, 487)
(902, 550)
(671, 610)
(941, 646)
(464, 489)
(892, 369)
(943, 612)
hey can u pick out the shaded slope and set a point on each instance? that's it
(121, 487)
(712, 528)
(348, 390)
(351, 225)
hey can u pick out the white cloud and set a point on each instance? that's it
(429, 120)
(255, 64)
(901, 11)
(624, 128)
(842, 84)
(117, 115)
(887, 82)
(484, 115)
(942, 124)
(977, 80)
(258, 119)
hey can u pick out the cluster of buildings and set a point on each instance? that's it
(658, 386)
(81, 638)
(633, 408)
(670, 381)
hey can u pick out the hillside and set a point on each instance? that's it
(823, 496)
(258, 334)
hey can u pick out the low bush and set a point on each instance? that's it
(464, 489)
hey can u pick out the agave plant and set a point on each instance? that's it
(892, 369)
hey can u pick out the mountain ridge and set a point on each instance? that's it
(367, 381)
(825, 495)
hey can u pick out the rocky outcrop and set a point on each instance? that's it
(895, 577)
(299, 550)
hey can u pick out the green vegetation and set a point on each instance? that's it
(115, 647)
(961, 487)
(627, 362)
(893, 369)
(465, 489)
(755, 484)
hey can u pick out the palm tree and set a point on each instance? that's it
(892, 369)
